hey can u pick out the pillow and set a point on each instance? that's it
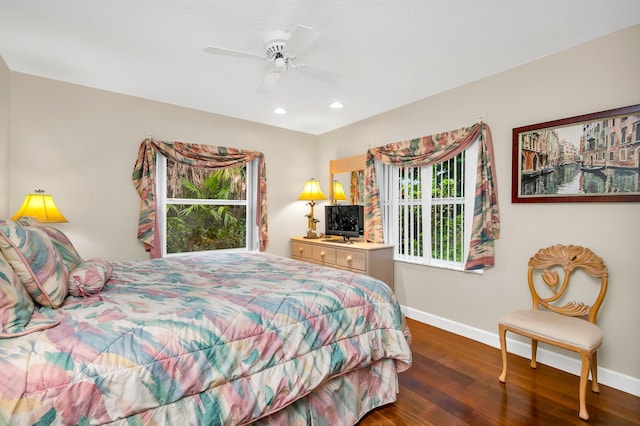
(70, 255)
(16, 306)
(28, 220)
(89, 277)
(36, 261)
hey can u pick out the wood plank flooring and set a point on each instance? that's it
(454, 381)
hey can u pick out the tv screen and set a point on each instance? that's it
(346, 221)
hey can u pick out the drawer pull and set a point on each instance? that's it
(300, 249)
(349, 259)
(322, 254)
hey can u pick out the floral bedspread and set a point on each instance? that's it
(241, 334)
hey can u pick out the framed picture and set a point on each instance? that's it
(588, 158)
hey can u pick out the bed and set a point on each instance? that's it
(225, 338)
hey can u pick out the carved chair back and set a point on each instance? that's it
(569, 258)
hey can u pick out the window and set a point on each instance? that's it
(430, 207)
(202, 209)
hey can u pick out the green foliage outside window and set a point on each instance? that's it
(447, 224)
(447, 211)
(199, 227)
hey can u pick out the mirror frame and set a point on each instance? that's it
(345, 165)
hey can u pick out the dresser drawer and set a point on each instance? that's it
(325, 255)
(359, 257)
(355, 260)
(302, 251)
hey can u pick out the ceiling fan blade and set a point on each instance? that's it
(236, 53)
(300, 40)
(269, 82)
(319, 74)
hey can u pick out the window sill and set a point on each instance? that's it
(447, 267)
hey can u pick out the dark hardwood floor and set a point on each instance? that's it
(454, 381)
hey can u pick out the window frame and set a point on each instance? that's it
(391, 205)
(252, 229)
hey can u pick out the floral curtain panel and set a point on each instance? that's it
(203, 156)
(435, 149)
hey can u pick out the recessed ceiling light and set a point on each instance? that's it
(279, 110)
(336, 105)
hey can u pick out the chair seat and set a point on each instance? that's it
(559, 328)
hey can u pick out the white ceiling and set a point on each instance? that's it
(390, 53)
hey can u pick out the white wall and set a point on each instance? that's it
(80, 145)
(4, 139)
(597, 76)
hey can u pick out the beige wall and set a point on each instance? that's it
(80, 145)
(593, 77)
(4, 139)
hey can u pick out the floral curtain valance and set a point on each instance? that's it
(435, 149)
(202, 156)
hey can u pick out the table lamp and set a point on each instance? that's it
(41, 207)
(338, 192)
(311, 192)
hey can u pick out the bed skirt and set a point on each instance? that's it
(343, 400)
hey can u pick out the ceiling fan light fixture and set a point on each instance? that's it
(336, 105)
(280, 63)
(282, 48)
(279, 111)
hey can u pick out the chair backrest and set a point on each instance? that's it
(569, 258)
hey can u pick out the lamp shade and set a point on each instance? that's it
(311, 191)
(41, 207)
(338, 191)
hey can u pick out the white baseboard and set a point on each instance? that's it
(606, 376)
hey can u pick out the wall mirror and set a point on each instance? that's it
(350, 173)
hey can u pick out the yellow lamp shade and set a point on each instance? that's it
(338, 191)
(41, 207)
(312, 191)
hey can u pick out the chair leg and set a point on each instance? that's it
(594, 373)
(502, 331)
(534, 352)
(584, 378)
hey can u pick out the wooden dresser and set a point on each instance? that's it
(371, 259)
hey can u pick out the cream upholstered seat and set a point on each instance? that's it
(571, 325)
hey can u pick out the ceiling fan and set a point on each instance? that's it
(282, 48)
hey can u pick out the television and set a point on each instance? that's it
(343, 220)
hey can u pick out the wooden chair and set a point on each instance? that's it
(571, 325)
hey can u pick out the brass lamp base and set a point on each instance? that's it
(311, 235)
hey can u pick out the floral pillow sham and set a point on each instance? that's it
(17, 316)
(36, 261)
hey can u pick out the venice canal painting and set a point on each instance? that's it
(595, 160)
